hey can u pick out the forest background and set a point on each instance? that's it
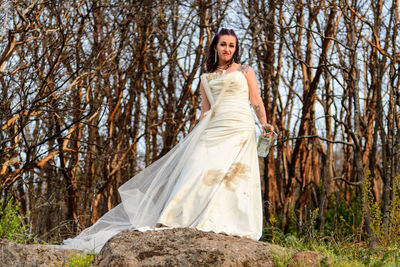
(92, 91)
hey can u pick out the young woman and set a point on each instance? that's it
(210, 180)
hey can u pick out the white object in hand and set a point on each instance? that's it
(264, 145)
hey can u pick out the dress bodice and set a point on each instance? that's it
(228, 95)
(236, 86)
(233, 86)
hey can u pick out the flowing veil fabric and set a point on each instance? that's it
(209, 181)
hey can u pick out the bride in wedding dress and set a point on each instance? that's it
(210, 180)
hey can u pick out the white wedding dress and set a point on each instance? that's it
(209, 181)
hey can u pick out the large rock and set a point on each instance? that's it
(190, 247)
(16, 255)
(171, 247)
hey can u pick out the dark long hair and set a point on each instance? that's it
(211, 65)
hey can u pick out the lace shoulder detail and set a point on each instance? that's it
(211, 76)
(244, 68)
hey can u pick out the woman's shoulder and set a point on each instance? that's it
(245, 68)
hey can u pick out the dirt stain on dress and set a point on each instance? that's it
(238, 171)
(212, 177)
(242, 143)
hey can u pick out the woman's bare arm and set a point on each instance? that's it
(255, 98)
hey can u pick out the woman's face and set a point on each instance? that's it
(225, 48)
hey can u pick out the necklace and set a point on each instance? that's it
(224, 67)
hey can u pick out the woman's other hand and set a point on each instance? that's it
(269, 130)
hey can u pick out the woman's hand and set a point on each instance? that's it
(269, 130)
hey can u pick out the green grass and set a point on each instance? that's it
(339, 253)
(11, 222)
(80, 260)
